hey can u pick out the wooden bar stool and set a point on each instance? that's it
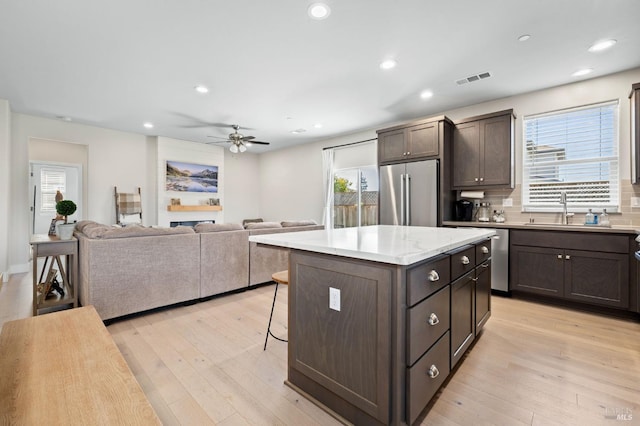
(281, 277)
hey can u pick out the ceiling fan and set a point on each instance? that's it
(239, 142)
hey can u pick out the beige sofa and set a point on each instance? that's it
(134, 269)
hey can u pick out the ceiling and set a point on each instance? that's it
(270, 67)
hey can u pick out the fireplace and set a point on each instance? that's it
(189, 222)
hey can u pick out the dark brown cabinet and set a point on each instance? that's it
(584, 267)
(483, 295)
(634, 98)
(409, 143)
(483, 151)
(462, 316)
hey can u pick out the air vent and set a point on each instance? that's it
(473, 78)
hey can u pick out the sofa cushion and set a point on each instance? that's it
(262, 225)
(245, 221)
(99, 231)
(217, 227)
(290, 223)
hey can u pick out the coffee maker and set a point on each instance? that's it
(464, 210)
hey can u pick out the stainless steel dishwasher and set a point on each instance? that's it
(500, 261)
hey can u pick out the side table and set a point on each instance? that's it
(51, 246)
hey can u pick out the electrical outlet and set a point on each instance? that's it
(635, 201)
(507, 202)
(334, 298)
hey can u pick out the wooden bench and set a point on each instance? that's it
(64, 368)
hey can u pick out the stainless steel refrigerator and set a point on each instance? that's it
(409, 194)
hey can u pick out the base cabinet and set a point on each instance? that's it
(398, 332)
(556, 264)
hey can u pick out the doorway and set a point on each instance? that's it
(46, 178)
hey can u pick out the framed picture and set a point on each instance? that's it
(188, 177)
(214, 201)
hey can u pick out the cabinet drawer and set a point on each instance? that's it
(483, 251)
(426, 376)
(426, 279)
(595, 241)
(426, 322)
(462, 261)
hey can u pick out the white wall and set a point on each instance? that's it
(188, 152)
(243, 186)
(5, 196)
(291, 179)
(114, 158)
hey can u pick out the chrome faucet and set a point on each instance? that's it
(563, 201)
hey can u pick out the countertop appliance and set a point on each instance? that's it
(464, 210)
(409, 194)
(500, 261)
(484, 212)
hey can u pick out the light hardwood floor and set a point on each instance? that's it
(533, 365)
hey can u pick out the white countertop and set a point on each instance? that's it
(398, 245)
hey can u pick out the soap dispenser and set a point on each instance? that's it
(589, 218)
(604, 218)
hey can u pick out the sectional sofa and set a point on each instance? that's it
(133, 269)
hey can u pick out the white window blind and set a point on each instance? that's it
(575, 151)
(51, 180)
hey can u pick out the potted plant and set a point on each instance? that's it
(66, 208)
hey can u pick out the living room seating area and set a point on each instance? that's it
(134, 269)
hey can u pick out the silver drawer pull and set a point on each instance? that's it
(559, 256)
(485, 265)
(485, 250)
(433, 276)
(433, 372)
(567, 257)
(465, 260)
(433, 319)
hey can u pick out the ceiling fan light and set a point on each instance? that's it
(233, 148)
(242, 148)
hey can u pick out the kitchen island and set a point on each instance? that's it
(379, 315)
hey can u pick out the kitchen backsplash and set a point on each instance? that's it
(627, 215)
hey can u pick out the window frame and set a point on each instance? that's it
(612, 160)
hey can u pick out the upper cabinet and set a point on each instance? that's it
(635, 133)
(408, 143)
(483, 151)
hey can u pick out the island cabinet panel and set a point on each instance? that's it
(426, 377)
(462, 315)
(426, 323)
(483, 294)
(427, 278)
(348, 352)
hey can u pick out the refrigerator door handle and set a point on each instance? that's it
(402, 201)
(408, 196)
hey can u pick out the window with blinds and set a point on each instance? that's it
(573, 150)
(51, 180)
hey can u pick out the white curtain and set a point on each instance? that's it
(327, 173)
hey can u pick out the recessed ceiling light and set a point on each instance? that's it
(201, 89)
(148, 125)
(582, 72)
(318, 125)
(298, 131)
(426, 94)
(388, 64)
(319, 11)
(602, 45)
(524, 37)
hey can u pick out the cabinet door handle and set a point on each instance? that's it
(485, 265)
(464, 260)
(560, 256)
(433, 276)
(485, 250)
(433, 372)
(481, 179)
(476, 179)
(408, 152)
(567, 257)
(433, 319)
